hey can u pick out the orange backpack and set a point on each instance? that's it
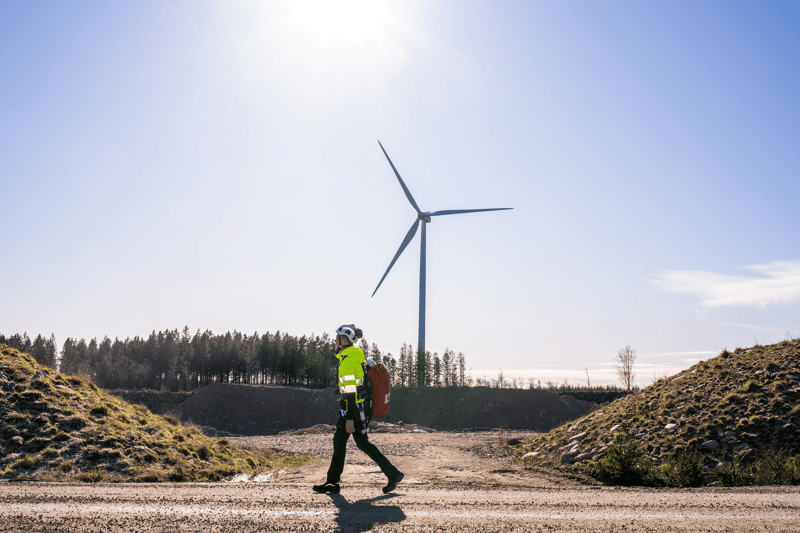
(378, 390)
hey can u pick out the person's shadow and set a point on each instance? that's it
(362, 515)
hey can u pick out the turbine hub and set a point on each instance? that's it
(425, 217)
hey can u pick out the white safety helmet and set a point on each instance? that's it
(349, 331)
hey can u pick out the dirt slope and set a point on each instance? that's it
(257, 410)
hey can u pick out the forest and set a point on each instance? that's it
(175, 360)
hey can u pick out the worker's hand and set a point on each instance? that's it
(350, 427)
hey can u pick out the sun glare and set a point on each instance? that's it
(347, 21)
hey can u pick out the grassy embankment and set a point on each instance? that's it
(731, 420)
(56, 427)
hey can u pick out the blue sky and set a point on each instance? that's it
(216, 165)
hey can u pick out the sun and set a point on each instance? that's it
(342, 21)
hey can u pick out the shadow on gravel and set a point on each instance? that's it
(363, 515)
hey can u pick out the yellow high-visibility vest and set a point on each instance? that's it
(351, 373)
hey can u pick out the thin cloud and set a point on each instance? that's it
(779, 284)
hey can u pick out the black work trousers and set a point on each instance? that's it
(362, 441)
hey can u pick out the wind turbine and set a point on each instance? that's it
(422, 218)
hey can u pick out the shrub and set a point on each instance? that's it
(682, 470)
(771, 468)
(625, 465)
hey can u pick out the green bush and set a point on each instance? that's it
(625, 464)
(682, 470)
(774, 467)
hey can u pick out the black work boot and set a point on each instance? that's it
(393, 481)
(332, 488)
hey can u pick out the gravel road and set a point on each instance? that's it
(450, 485)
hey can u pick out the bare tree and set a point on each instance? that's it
(624, 366)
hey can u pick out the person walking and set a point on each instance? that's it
(352, 419)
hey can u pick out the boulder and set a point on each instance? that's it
(671, 427)
(710, 444)
(567, 459)
(579, 437)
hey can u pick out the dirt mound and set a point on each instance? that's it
(450, 408)
(63, 428)
(160, 403)
(731, 405)
(258, 410)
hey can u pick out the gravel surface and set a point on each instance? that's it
(448, 486)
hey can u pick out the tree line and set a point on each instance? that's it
(175, 360)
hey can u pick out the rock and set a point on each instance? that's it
(144, 449)
(742, 446)
(585, 456)
(513, 442)
(39, 375)
(530, 455)
(17, 440)
(567, 459)
(579, 437)
(729, 434)
(710, 444)
(670, 427)
(613, 429)
(547, 463)
(641, 435)
(601, 431)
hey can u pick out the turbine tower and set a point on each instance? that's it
(422, 218)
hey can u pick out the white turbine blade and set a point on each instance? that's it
(402, 184)
(409, 236)
(459, 211)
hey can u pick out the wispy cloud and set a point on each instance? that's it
(779, 284)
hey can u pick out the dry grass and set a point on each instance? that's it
(63, 428)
